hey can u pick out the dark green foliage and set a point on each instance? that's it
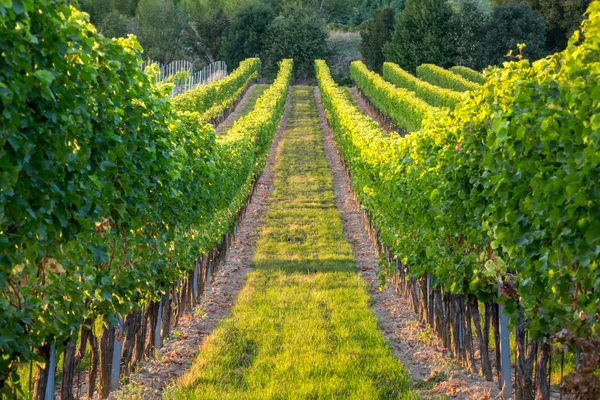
(161, 29)
(331, 10)
(296, 33)
(562, 17)
(423, 34)
(471, 23)
(376, 33)
(246, 35)
(204, 35)
(116, 24)
(98, 9)
(126, 7)
(343, 47)
(510, 25)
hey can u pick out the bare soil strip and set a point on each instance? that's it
(177, 354)
(434, 373)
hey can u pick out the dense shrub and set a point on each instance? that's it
(561, 17)
(375, 34)
(423, 34)
(472, 23)
(296, 33)
(161, 29)
(510, 25)
(246, 36)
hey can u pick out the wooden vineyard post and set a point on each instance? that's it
(505, 376)
(195, 281)
(49, 395)
(115, 372)
(157, 337)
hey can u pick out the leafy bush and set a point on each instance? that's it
(246, 36)
(561, 18)
(472, 24)
(444, 78)
(434, 95)
(423, 34)
(296, 33)
(161, 29)
(469, 74)
(375, 34)
(343, 48)
(510, 25)
(400, 105)
(204, 35)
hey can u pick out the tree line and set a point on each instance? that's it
(473, 33)
(231, 30)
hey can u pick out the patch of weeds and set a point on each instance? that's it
(426, 336)
(199, 312)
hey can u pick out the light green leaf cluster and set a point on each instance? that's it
(434, 95)
(443, 78)
(469, 74)
(400, 105)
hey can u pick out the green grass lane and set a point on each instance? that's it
(301, 327)
(258, 91)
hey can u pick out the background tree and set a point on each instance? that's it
(471, 23)
(126, 7)
(161, 29)
(247, 31)
(327, 9)
(510, 25)
(204, 35)
(97, 9)
(561, 17)
(116, 24)
(423, 34)
(376, 33)
(296, 33)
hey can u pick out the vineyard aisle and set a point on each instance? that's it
(301, 326)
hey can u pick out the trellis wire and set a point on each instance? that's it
(210, 73)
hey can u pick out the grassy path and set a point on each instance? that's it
(244, 108)
(302, 327)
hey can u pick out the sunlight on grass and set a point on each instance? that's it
(301, 327)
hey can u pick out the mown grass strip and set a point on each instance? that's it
(301, 327)
(253, 97)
